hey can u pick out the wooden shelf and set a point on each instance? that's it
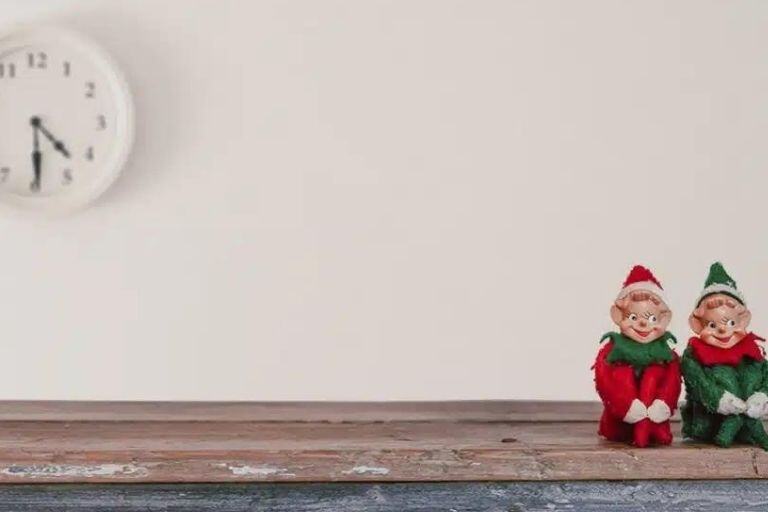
(333, 412)
(44, 442)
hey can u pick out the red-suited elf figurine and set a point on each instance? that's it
(637, 374)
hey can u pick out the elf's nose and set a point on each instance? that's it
(643, 323)
(721, 330)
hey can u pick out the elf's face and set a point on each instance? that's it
(641, 316)
(720, 321)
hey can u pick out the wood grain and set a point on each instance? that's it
(229, 451)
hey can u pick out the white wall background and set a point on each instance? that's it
(412, 199)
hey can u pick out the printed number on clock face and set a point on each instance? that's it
(65, 118)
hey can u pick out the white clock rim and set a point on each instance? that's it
(111, 169)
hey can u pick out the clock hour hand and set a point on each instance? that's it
(57, 144)
(37, 161)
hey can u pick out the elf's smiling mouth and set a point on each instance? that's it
(640, 333)
(723, 340)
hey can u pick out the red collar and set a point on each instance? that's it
(710, 356)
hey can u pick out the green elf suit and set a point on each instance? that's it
(713, 375)
(727, 388)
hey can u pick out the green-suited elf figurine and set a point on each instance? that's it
(725, 371)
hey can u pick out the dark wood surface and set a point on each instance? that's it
(648, 496)
(505, 441)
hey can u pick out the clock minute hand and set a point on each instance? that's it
(57, 144)
(37, 161)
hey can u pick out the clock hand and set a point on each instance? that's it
(57, 144)
(37, 160)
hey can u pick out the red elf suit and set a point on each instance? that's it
(631, 376)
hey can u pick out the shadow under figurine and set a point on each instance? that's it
(637, 374)
(726, 375)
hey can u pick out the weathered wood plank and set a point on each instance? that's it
(655, 496)
(40, 452)
(334, 412)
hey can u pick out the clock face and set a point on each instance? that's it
(66, 120)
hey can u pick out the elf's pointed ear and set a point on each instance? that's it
(616, 314)
(696, 323)
(745, 317)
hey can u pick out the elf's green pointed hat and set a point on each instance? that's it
(718, 281)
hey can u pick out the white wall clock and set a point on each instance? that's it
(66, 120)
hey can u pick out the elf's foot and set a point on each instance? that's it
(729, 428)
(642, 433)
(661, 432)
(702, 428)
(756, 432)
(686, 413)
(614, 429)
(698, 423)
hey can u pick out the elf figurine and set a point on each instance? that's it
(726, 375)
(637, 374)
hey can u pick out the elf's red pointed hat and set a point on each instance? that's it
(642, 279)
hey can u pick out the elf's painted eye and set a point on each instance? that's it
(712, 325)
(632, 317)
(731, 323)
(652, 319)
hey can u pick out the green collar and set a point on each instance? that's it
(640, 355)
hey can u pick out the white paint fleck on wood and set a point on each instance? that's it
(74, 471)
(262, 471)
(367, 470)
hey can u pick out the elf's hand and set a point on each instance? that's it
(731, 404)
(637, 412)
(659, 411)
(757, 405)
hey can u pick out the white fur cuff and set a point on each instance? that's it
(637, 412)
(731, 404)
(757, 405)
(659, 411)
